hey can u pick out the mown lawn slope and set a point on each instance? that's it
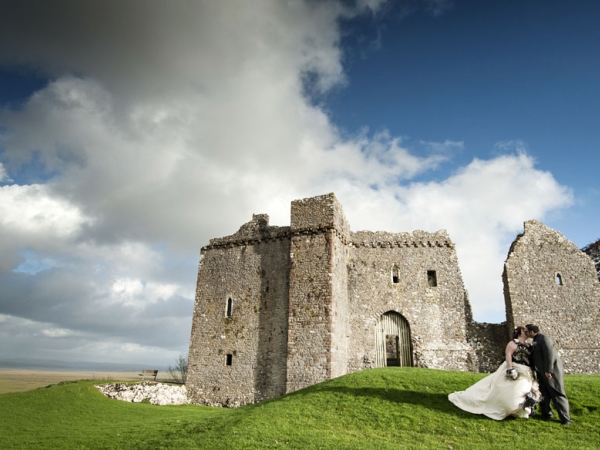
(374, 409)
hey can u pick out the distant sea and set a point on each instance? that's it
(53, 365)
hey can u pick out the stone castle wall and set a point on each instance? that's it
(388, 272)
(317, 226)
(310, 302)
(252, 269)
(488, 342)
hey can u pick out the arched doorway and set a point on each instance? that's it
(392, 340)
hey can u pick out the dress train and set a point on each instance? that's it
(497, 396)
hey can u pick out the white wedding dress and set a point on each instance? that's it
(497, 396)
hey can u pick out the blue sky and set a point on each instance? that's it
(133, 132)
(485, 72)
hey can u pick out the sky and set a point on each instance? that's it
(132, 132)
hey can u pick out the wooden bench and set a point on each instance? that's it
(149, 373)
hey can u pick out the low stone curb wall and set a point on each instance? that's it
(154, 393)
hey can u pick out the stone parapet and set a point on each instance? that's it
(417, 238)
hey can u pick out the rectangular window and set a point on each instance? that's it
(395, 276)
(431, 278)
(229, 359)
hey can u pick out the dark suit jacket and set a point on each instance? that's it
(546, 359)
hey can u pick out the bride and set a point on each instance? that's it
(511, 390)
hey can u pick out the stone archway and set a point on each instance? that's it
(392, 341)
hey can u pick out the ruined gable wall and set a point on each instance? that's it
(569, 313)
(436, 315)
(252, 268)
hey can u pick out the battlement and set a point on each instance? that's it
(322, 214)
(251, 233)
(417, 238)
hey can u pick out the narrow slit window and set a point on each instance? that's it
(229, 360)
(431, 278)
(229, 307)
(395, 277)
(559, 281)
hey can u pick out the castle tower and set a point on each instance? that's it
(318, 299)
(238, 345)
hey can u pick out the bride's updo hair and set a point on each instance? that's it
(517, 332)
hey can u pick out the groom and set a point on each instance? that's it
(549, 368)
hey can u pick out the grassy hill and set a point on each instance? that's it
(387, 408)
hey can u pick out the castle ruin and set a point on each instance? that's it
(549, 281)
(281, 308)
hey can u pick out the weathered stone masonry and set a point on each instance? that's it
(281, 308)
(547, 278)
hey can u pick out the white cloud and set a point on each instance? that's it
(127, 289)
(35, 210)
(56, 332)
(135, 293)
(380, 160)
(33, 217)
(183, 121)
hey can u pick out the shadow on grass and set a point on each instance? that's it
(433, 401)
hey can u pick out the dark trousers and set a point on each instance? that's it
(561, 403)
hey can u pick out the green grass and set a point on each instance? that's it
(376, 409)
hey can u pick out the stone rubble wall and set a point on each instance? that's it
(488, 342)
(316, 326)
(548, 281)
(341, 310)
(436, 315)
(252, 268)
(154, 393)
(309, 324)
